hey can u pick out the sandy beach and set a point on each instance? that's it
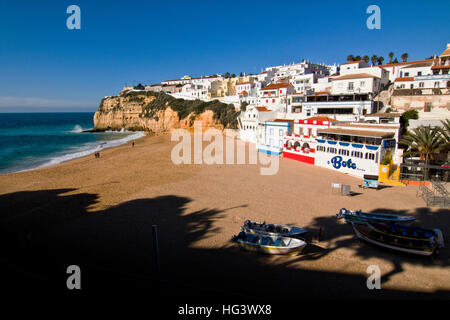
(98, 213)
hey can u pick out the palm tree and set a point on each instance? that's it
(424, 142)
(445, 131)
(391, 56)
(366, 58)
(350, 57)
(358, 58)
(404, 57)
(374, 59)
(380, 60)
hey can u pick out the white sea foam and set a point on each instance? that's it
(77, 129)
(89, 149)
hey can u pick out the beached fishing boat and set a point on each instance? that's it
(269, 244)
(362, 217)
(407, 239)
(280, 230)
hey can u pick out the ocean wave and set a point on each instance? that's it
(77, 129)
(89, 149)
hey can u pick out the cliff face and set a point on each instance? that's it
(140, 112)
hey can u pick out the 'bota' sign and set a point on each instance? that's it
(338, 163)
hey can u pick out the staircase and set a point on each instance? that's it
(384, 96)
(436, 196)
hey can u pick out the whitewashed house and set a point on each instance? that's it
(251, 122)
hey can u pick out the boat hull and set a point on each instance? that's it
(367, 236)
(270, 249)
(362, 217)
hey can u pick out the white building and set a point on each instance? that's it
(358, 83)
(251, 122)
(271, 140)
(275, 96)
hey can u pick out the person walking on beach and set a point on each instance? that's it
(132, 144)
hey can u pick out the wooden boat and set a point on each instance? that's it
(269, 244)
(362, 217)
(407, 239)
(279, 230)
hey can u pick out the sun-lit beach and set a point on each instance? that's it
(100, 211)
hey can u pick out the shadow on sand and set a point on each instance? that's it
(43, 232)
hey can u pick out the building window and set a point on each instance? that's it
(436, 84)
(406, 74)
(419, 73)
(350, 86)
(427, 107)
(421, 84)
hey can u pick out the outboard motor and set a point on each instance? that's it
(341, 213)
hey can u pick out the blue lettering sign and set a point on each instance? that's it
(338, 163)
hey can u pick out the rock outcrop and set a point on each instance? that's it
(153, 112)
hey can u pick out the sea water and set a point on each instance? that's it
(35, 140)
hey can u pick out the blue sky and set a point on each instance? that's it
(44, 66)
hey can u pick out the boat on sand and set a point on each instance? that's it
(269, 244)
(414, 240)
(280, 230)
(362, 217)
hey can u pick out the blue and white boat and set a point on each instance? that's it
(269, 244)
(362, 217)
(274, 230)
(425, 242)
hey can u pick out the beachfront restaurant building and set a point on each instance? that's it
(300, 143)
(354, 151)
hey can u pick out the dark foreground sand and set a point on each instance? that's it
(98, 213)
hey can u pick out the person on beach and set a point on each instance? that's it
(132, 144)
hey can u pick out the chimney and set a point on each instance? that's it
(448, 45)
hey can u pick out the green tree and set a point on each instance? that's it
(404, 57)
(358, 58)
(380, 60)
(244, 105)
(374, 59)
(391, 56)
(424, 142)
(227, 75)
(395, 60)
(350, 57)
(406, 116)
(241, 75)
(445, 131)
(366, 58)
(233, 75)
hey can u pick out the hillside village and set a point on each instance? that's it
(325, 114)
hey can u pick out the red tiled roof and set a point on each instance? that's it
(404, 79)
(321, 118)
(356, 76)
(446, 52)
(440, 67)
(262, 109)
(274, 86)
(350, 62)
(321, 92)
(283, 120)
(245, 93)
(403, 63)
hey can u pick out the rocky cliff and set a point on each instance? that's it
(158, 112)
